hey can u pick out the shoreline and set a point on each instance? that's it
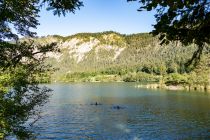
(176, 87)
(194, 88)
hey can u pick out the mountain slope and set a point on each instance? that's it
(111, 53)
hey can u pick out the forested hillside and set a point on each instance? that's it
(110, 56)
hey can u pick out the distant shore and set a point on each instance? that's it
(175, 87)
(150, 85)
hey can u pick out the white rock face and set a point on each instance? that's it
(81, 50)
(118, 52)
(77, 49)
(108, 48)
(70, 43)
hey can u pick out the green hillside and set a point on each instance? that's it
(110, 56)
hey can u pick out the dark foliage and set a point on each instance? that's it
(22, 62)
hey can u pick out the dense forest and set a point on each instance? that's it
(110, 56)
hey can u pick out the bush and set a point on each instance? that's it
(176, 79)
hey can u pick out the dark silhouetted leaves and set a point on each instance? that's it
(21, 63)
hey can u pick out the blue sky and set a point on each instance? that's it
(98, 16)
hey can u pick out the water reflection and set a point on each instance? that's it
(148, 114)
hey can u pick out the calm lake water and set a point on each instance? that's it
(145, 114)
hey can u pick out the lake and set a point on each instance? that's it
(143, 113)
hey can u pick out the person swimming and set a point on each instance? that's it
(117, 107)
(96, 103)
